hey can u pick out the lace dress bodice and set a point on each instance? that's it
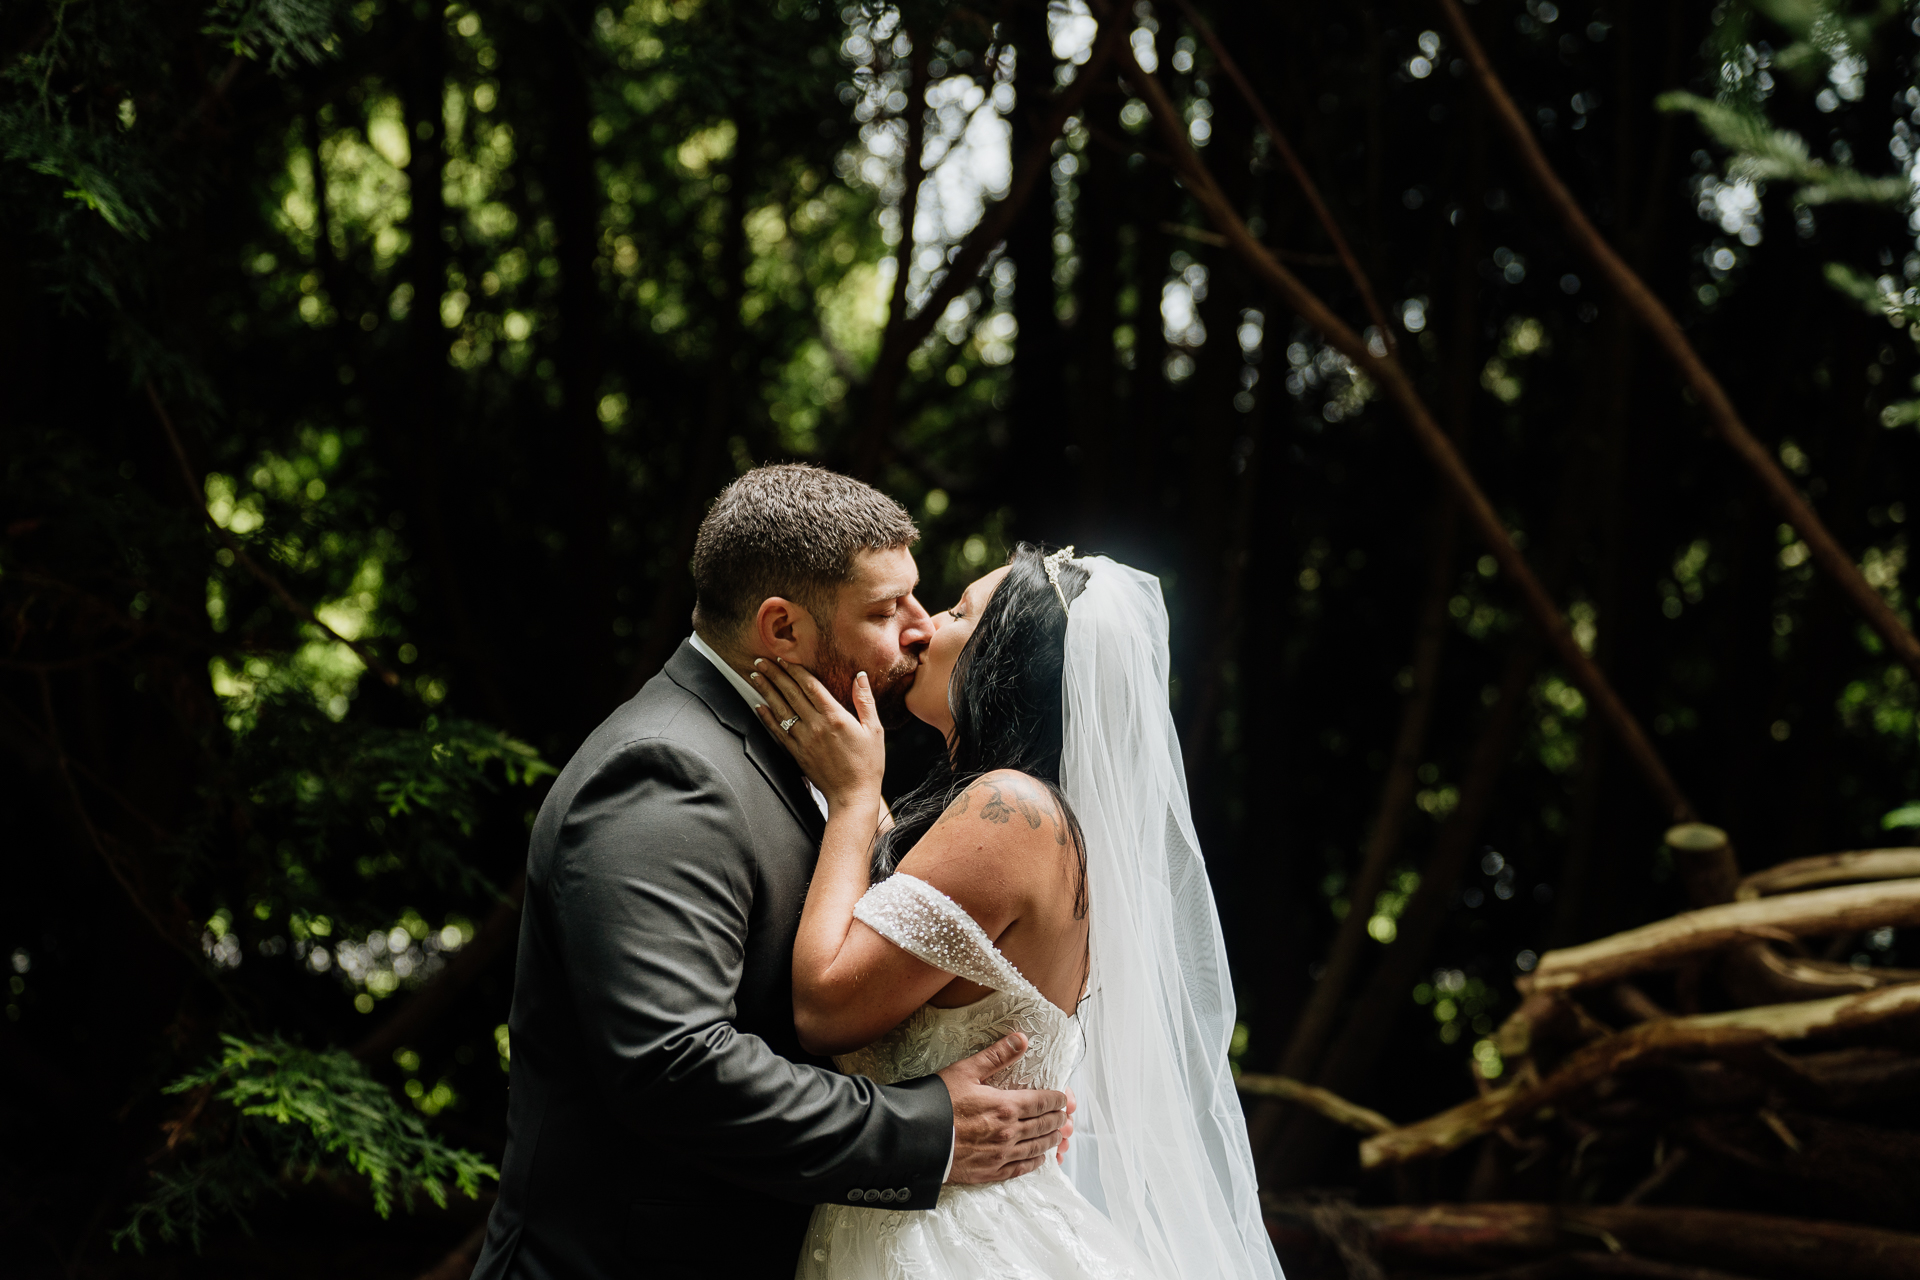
(1034, 1227)
(927, 924)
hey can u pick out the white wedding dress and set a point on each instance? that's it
(1036, 1227)
(1159, 1183)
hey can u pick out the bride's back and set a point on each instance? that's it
(1007, 852)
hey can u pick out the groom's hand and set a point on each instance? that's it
(1001, 1133)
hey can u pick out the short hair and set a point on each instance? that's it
(789, 530)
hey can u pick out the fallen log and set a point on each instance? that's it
(1665, 943)
(1705, 1035)
(1577, 1266)
(1752, 971)
(1325, 1101)
(1830, 868)
(1764, 1246)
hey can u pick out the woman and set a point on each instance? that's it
(1045, 879)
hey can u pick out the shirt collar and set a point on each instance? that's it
(750, 694)
(734, 678)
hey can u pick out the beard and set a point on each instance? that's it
(836, 671)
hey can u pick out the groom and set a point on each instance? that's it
(664, 1121)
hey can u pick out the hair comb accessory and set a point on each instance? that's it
(1053, 563)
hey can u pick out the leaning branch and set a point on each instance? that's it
(493, 936)
(902, 338)
(1387, 373)
(1713, 1034)
(1308, 187)
(99, 839)
(1665, 942)
(294, 605)
(1325, 1101)
(1831, 868)
(1659, 322)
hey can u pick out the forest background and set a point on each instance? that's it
(366, 366)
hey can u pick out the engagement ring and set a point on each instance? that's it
(786, 726)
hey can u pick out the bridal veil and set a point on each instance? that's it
(1160, 1142)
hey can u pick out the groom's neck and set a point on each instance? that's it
(734, 655)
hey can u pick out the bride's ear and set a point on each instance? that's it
(785, 629)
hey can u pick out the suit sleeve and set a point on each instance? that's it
(652, 889)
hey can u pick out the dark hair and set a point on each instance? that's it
(787, 530)
(1008, 707)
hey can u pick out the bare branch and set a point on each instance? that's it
(495, 934)
(1706, 1035)
(900, 340)
(1386, 372)
(1665, 942)
(1831, 868)
(99, 839)
(1665, 330)
(294, 605)
(1342, 251)
(1325, 1101)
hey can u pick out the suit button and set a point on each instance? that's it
(903, 1195)
(853, 1196)
(872, 1196)
(888, 1195)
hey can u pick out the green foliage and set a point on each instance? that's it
(1822, 32)
(370, 800)
(285, 32)
(1762, 153)
(304, 1115)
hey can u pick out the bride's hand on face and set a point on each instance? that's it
(843, 754)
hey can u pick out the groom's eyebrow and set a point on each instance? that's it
(892, 592)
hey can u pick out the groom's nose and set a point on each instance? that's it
(918, 628)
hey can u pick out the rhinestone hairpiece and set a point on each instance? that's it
(1053, 563)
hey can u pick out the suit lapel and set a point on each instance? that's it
(692, 672)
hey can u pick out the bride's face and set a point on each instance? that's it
(927, 699)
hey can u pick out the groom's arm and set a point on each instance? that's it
(651, 888)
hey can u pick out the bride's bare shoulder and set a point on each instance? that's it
(996, 840)
(1012, 800)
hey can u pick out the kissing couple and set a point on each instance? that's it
(763, 1026)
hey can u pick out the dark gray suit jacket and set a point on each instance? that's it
(664, 1120)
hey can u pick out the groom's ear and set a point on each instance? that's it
(786, 629)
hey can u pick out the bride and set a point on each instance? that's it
(1044, 879)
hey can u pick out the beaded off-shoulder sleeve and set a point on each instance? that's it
(930, 926)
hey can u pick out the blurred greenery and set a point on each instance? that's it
(462, 313)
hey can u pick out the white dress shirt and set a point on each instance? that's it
(751, 694)
(753, 699)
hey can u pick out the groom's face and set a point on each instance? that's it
(878, 627)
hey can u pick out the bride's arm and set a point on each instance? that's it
(850, 985)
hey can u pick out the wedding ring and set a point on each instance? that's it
(786, 726)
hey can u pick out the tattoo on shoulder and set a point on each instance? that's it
(1025, 798)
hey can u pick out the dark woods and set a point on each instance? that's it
(368, 368)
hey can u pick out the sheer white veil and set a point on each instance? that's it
(1160, 1142)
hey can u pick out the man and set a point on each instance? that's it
(664, 1120)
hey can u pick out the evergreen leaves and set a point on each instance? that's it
(291, 1113)
(285, 32)
(1762, 153)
